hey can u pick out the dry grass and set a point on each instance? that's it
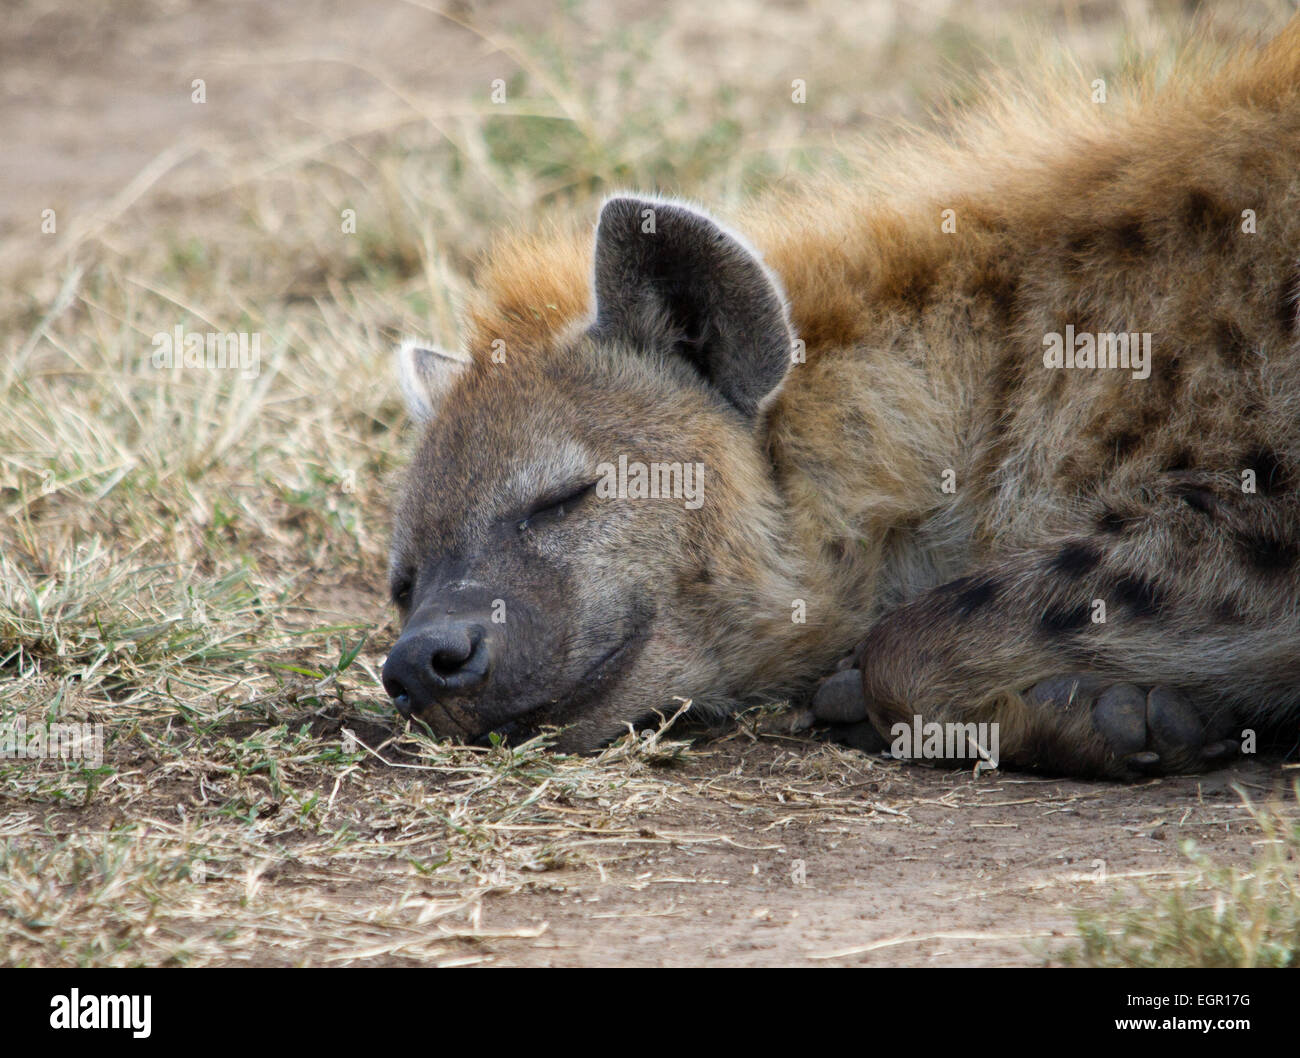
(389, 850)
(1215, 914)
(194, 559)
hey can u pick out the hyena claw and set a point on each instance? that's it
(1146, 762)
(1220, 750)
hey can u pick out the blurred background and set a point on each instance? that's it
(389, 103)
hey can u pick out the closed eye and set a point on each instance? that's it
(401, 590)
(554, 507)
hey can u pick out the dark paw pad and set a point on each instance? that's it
(840, 703)
(839, 699)
(1120, 714)
(1172, 723)
(1150, 732)
(1174, 735)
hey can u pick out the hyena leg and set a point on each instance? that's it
(1160, 675)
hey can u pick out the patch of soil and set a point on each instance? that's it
(955, 871)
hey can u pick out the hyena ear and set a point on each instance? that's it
(426, 375)
(667, 277)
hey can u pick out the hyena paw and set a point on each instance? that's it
(839, 702)
(1149, 732)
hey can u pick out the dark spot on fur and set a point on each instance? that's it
(917, 296)
(1230, 343)
(1078, 245)
(1202, 214)
(1153, 415)
(1198, 499)
(1123, 445)
(1075, 559)
(1138, 593)
(1180, 459)
(971, 593)
(1271, 477)
(999, 288)
(1129, 237)
(1058, 620)
(912, 286)
(1266, 553)
(1112, 522)
(1166, 377)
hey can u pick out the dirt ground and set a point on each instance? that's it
(754, 847)
(754, 850)
(943, 870)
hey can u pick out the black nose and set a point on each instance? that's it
(435, 660)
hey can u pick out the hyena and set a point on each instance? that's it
(1019, 433)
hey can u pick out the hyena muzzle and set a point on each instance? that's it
(1025, 445)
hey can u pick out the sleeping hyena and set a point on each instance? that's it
(1023, 437)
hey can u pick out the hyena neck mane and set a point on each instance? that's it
(869, 420)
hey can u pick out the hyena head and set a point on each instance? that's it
(590, 527)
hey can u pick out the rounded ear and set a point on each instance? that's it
(670, 278)
(426, 375)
